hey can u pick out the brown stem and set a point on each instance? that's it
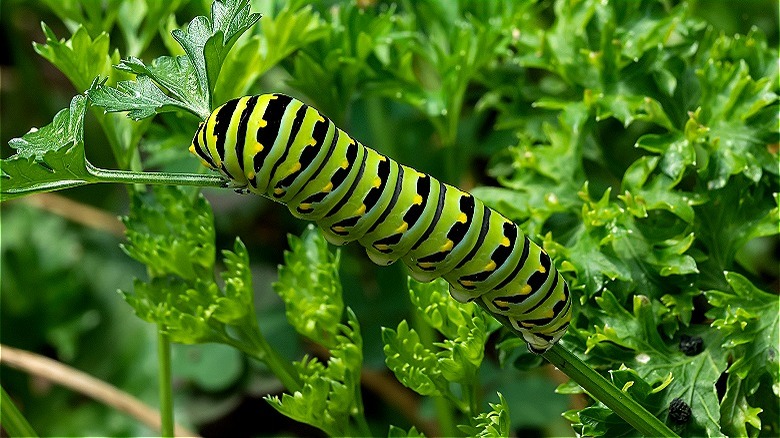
(83, 214)
(83, 383)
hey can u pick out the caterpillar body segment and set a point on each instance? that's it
(278, 147)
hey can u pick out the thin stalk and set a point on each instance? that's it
(164, 378)
(12, 420)
(470, 390)
(445, 416)
(97, 175)
(261, 350)
(599, 387)
(360, 417)
(442, 406)
(603, 390)
(180, 179)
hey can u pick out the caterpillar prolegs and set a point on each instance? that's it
(278, 147)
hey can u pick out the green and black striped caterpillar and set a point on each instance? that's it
(278, 147)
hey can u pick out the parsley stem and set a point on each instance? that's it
(167, 178)
(164, 377)
(442, 404)
(13, 421)
(98, 175)
(603, 390)
(599, 387)
(260, 349)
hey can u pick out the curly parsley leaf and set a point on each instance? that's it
(748, 320)
(597, 420)
(49, 158)
(281, 35)
(189, 79)
(495, 423)
(172, 233)
(413, 364)
(464, 328)
(310, 286)
(329, 398)
(174, 75)
(633, 339)
(208, 41)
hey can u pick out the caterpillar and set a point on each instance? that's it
(276, 146)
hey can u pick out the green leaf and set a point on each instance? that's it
(139, 21)
(65, 131)
(633, 339)
(738, 213)
(438, 309)
(81, 58)
(597, 420)
(413, 365)
(58, 170)
(630, 108)
(680, 308)
(330, 397)
(238, 293)
(465, 331)
(310, 287)
(208, 41)
(166, 301)
(49, 158)
(657, 191)
(740, 114)
(736, 412)
(141, 98)
(97, 17)
(544, 178)
(281, 35)
(171, 233)
(174, 75)
(342, 57)
(490, 424)
(397, 432)
(748, 319)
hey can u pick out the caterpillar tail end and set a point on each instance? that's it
(536, 344)
(539, 343)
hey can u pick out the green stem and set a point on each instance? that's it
(360, 417)
(130, 177)
(445, 416)
(442, 406)
(98, 175)
(470, 390)
(599, 387)
(164, 373)
(603, 390)
(12, 420)
(260, 349)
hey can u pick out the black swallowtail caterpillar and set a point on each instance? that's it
(278, 147)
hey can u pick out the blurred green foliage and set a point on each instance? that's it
(637, 140)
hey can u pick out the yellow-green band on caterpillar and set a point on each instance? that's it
(280, 148)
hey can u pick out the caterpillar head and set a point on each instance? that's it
(200, 149)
